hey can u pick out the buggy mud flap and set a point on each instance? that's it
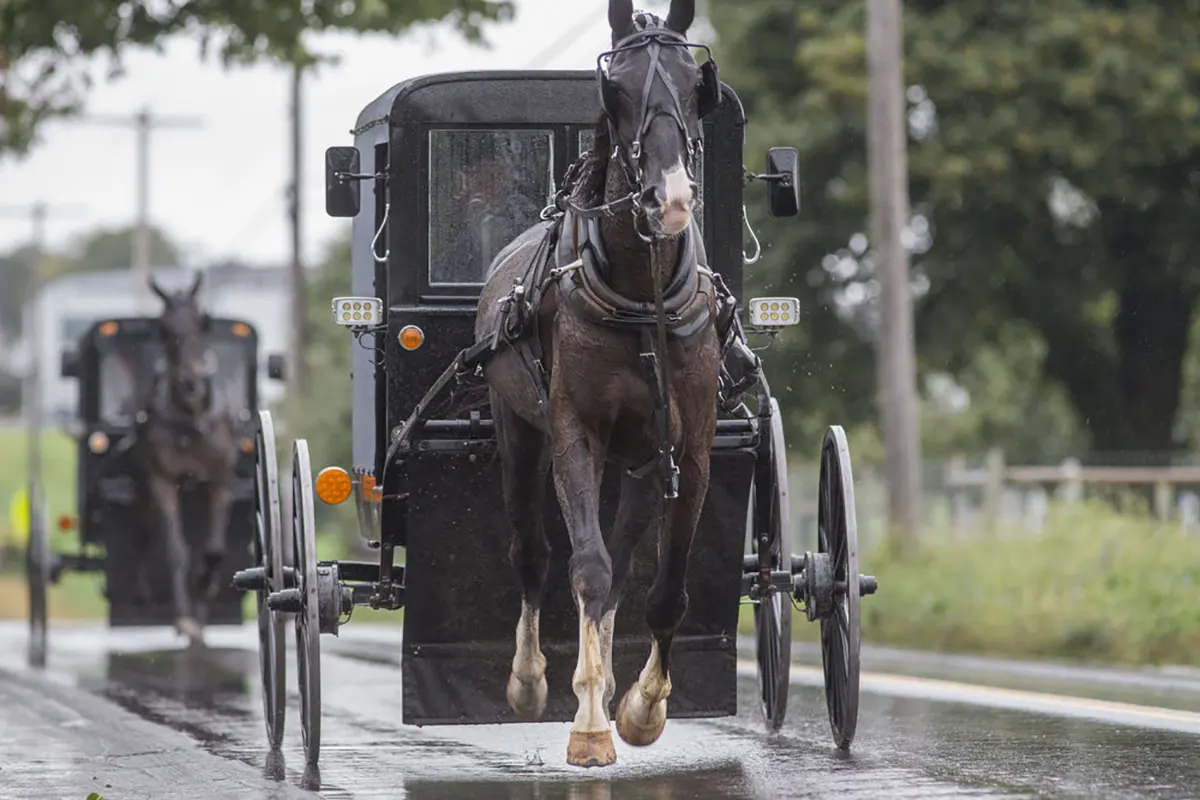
(463, 599)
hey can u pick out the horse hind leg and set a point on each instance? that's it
(642, 715)
(637, 512)
(524, 465)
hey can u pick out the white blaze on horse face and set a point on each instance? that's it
(588, 680)
(677, 205)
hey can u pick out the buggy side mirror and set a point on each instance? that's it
(275, 364)
(783, 181)
(341, 181)
(69, 368)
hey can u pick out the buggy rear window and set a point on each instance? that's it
(485, 188)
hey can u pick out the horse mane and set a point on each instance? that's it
(589, 184)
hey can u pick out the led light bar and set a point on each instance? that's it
(358, 312)
(774, 312)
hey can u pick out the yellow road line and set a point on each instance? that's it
(975, 694)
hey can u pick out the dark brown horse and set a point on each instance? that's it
(615, 338)
(182, 432)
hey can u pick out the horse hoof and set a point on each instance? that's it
(637, 725)
(191, 629)
(527, 699)
(591, 749)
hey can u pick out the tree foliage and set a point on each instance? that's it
(1054, 172)
(45, 44)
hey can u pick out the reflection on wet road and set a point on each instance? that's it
(146, 718)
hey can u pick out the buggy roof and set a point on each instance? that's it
(492, 96)
(147, 327)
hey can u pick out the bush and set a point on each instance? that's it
(1095, 585)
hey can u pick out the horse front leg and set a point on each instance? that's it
(524, 465)
(220, 500)
(578, 468)
(643, 711)
(165, 495)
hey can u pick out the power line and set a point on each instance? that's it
(569, 37)
(142, 122)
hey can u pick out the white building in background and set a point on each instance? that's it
(67, 306)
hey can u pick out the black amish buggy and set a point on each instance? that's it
(115, 363)
(445, 171)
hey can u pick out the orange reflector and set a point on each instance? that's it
(411, 337)
(241, 330)
(98, 442)
(108, 328)
(247, 445)
(333, 485)
(370, 491)
(66, 522)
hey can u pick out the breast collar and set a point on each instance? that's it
(689, 301)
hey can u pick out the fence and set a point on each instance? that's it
(960, 498)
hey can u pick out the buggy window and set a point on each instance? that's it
(485, 188)
(126, 378)
(126, 373)
(231, 385)
(587, 138)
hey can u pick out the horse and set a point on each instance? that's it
(181, 431)
(615, 331)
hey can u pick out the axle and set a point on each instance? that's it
(810, 580)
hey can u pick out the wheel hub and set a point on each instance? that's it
(818, 585)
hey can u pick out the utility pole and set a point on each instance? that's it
(32, 393)
(894, 352)
(142, 122)
(297, 368)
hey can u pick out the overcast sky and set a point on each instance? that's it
(219, 190)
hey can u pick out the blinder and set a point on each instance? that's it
(707, 99)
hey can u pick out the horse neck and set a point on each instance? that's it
(630, 268)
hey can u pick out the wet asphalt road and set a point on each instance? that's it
(130, 713)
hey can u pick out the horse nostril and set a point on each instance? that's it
(650, 199)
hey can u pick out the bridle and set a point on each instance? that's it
(630, 159)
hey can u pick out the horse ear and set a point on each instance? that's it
(196, 284)
(680, 17)
(620, 19)
(154, 287)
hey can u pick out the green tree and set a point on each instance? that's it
(45, 44)
(112, 248)
(1054, 157)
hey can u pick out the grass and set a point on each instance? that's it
(58, 474)
(1094, 586)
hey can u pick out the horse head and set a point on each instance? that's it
(189, 367)
(654, 96)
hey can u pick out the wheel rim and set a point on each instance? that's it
(308, 664)
(773, 617)
(837, 535)
(267, 553)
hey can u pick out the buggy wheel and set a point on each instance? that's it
(837, 536)
(308, 632)
(37, 573)
(268, 553)
(773, 614)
